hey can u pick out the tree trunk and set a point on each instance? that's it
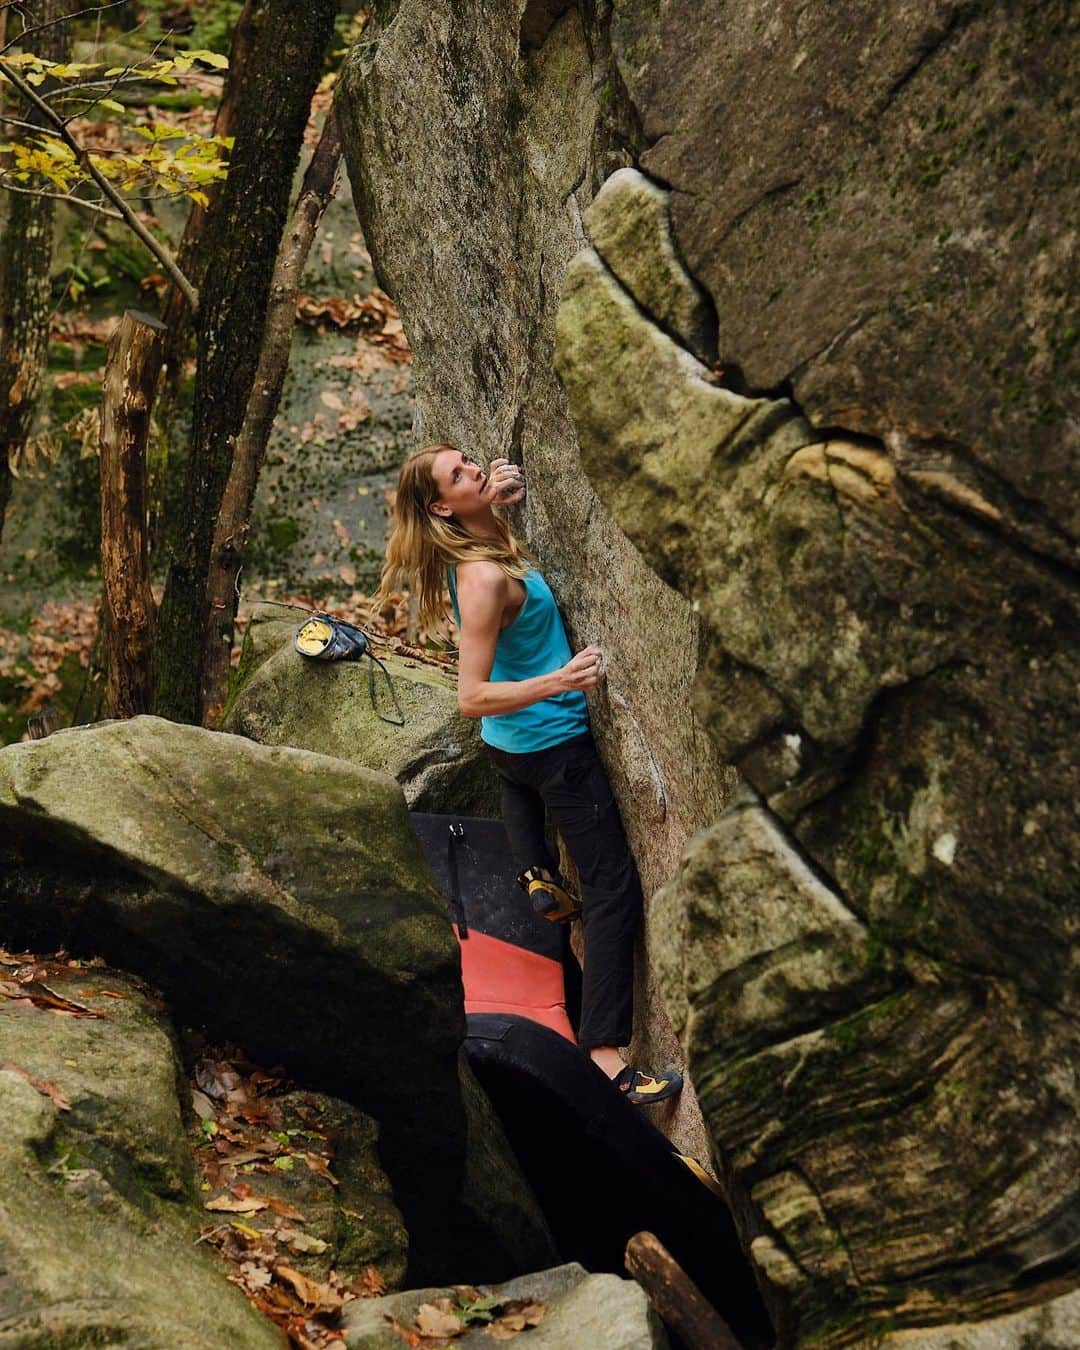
(674, 1295)
(241, 242)
(25, 299)
(176, 312)
(131, 373)
(230, 532)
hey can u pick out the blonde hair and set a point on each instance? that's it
(422, 545)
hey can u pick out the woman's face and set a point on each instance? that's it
(464, 489)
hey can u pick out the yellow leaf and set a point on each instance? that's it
(200, 197)
(211, 59)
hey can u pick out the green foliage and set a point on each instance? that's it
(174, 161)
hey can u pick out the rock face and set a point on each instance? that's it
(866, 506)
(579, 1310)
(866, 958)
(877, 204)
(280, 698)
(111, 1175)
(475, 138)
(281, 899)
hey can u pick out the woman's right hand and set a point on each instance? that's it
(583, 671)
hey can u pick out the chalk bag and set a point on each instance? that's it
(324, 638)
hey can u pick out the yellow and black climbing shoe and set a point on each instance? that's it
(550, 900)
(643, 1090)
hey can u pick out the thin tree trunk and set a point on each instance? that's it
(241, 241)
(676, 1297)
(131, 373)
(230, 532)
(176, 313)
(25, 298)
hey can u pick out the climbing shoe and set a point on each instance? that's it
(549, 899)
(644, 1090)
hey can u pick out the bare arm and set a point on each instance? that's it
(483, 590)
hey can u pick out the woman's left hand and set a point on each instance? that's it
(506, 482)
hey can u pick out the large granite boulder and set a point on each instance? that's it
(475, 137)
(282, 698)
(863, 502)
(99, 1213)
(864, 956)
(281, 899)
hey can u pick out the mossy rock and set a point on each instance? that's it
(282, 698)
(99, 1215)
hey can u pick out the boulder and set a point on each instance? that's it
(495, 127)
(858, 528)
(600, 1311)
(98, 1210)
(861, 928)
(281, 899)
(349, 1211)
(282, 698)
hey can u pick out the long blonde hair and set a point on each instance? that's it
(422, 545)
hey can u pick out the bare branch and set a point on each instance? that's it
(160, 252)
(98, 208)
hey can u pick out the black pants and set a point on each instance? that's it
(569, 780)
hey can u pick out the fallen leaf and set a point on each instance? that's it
(204, 1107)
(284, 1210)
(45, 1086)
(332, 400)
(303, 1242)
(254, 1275)
(434, 1321)
(313, 1294)
(228, 1204)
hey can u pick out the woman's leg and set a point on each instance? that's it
(523, 815)
(582, 805)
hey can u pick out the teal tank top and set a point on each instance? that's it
(534, 644)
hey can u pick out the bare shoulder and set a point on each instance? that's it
(480, 575)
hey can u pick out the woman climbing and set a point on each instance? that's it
(518, 675)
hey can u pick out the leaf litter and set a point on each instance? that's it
(241, 1134)
(441, 1322)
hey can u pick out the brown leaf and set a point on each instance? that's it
(228, 1204)
(322, 1297)
(317, 1164)
(204, 1107)
(45, 1086)
(437, 1322)
(284, 1210)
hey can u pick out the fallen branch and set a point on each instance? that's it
(675, 1296)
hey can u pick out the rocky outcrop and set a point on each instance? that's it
(863, 949)
(574, 1307)
(475, 139)
(862, 499)
(879, 203)
(95, 1160)
(280, 698)
(281, 899)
